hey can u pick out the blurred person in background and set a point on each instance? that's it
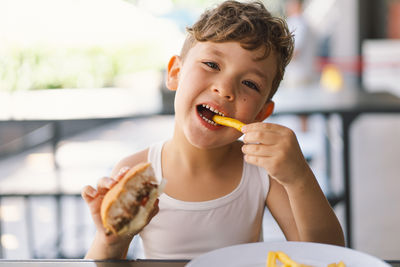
(301, 71)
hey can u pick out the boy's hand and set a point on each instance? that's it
(275, 148)
(94, 197)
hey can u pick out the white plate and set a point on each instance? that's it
(255, 255)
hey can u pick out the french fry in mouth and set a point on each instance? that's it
(228, 122)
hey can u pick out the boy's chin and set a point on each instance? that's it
(204, 143)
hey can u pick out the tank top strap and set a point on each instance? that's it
(154, 157)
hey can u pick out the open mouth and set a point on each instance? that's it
(206, 113)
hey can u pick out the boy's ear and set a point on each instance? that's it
(266, 111)
(174, 67)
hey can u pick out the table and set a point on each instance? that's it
(90, 263)
(117, 263)
(349, 104)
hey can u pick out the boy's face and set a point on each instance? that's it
(228, 79)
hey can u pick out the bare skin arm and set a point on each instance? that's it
(295, 199)
(110, 246)
(103, 246)
(303, 215)
(315, 219)
(279, 206)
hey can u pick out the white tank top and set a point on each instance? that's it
(184, 230)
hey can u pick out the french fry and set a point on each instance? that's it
(228, 122)
(288, 262)
(285, 259)
(271, 260)
(340, 264)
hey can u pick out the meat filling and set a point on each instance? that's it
(131, 207)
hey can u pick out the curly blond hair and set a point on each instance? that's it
(250, 24)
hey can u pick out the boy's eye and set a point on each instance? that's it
(212, 65)
(251, 85)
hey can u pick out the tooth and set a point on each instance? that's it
(212, 109)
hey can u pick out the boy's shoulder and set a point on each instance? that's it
(130, 161)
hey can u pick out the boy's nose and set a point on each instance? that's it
(225, 93)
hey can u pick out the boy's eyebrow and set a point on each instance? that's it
(258, 72)
(215, 51)
(262, 74)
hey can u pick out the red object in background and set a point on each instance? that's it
(394, 20)
(352, 65)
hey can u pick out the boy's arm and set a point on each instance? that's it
(295, 198)
(304, 214)
(110, 246)
(104, 246)
(101, 249)
(278, 203)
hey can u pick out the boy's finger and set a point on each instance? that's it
(105, 184)
(257, 126)
(93, 199)
(122, 172)
(256, 160)
(258, 150)
(263, 137)
(88, 193)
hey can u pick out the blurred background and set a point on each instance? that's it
(82, 85)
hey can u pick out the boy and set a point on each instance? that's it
(231, 63)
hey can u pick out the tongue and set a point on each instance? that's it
(207, 113)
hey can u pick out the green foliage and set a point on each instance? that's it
(44, 67)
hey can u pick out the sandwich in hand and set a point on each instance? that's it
(126, 208)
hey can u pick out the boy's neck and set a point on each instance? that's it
(196, 159)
